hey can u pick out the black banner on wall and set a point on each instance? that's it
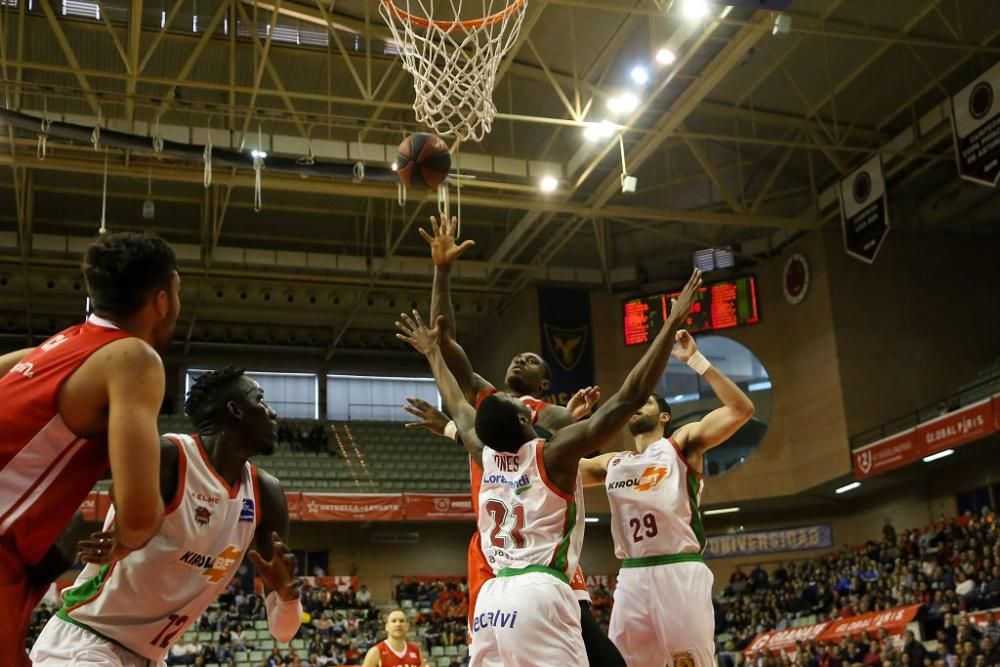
(864, 208)
(975, 119)
(567, 340)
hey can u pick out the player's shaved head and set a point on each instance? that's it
(503, 423)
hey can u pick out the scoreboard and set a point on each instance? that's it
(721, 305)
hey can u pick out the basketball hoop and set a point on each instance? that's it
(454, 62)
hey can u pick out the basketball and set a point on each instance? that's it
(423, 161)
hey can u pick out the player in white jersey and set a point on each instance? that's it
(531, 513)
(130, 612)
(663, 611)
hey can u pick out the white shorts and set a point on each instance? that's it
(527, 620)
(63, 644)
(663, 615)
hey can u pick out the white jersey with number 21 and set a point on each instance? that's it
(524, 519)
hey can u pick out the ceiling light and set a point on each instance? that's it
(848, 487)
(694, 9)
(395, 166)
(640, 75)
(665, 56)
(939, 455)
(256, 153)
(724, 510)
(603, 130)
(549, 184)
(624, 103)
(592, 519)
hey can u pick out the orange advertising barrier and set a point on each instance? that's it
(437, 506)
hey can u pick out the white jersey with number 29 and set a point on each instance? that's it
(525, 521)
(655, 499)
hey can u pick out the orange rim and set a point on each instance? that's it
(446, 26)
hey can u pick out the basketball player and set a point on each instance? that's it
(85, 398)
(663, 604)
(528, 378)
(130, 612)
(531, 514)
(395, 651)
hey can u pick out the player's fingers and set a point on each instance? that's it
(256, 559)
(466, 245)
(103, 535)
(413, 425)
(427, 237)
(408, 320)
(434, 225)
(418, 403)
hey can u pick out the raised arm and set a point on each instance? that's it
(424, 340)
(567, 447)
(11, 359)
(135, 385)
(444, 253)
(719, 424)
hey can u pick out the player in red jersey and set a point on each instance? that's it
(528, 378)
(84, 399)
(395, 651)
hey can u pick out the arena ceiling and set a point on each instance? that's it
(735, 144)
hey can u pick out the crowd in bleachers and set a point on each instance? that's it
(442, 610)
(950, 566)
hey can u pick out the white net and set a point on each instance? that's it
(454, 58)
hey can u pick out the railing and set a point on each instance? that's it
(943, 406)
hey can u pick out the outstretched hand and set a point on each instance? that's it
(685, 347)
(430, 417)
(680, 307)
(583, 401)
(279, 572)
(415, 332)
(444, 250)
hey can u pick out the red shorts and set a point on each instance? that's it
(479, 572)
(20, 598)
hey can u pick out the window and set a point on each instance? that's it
(375, 398)
(292, 395)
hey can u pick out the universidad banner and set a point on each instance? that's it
(804, 538)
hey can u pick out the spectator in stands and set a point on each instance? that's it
(913, 649)
(363, 597)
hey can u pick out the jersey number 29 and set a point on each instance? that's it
(500, 512)
(648, 522)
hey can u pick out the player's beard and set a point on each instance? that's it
(643, 424)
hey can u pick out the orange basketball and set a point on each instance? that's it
(423, 161)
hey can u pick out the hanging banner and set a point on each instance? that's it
(804, 538)
(975, 120)
(567, 341)
(784, 640)
(435, 506)
(864, 210)
(893, 621)
(351, 507)
(886, 454)
(956, 428)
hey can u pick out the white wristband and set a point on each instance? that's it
(698, 363)
(451, 430)
(283, 617)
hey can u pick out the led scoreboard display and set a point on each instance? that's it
(721, 305)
